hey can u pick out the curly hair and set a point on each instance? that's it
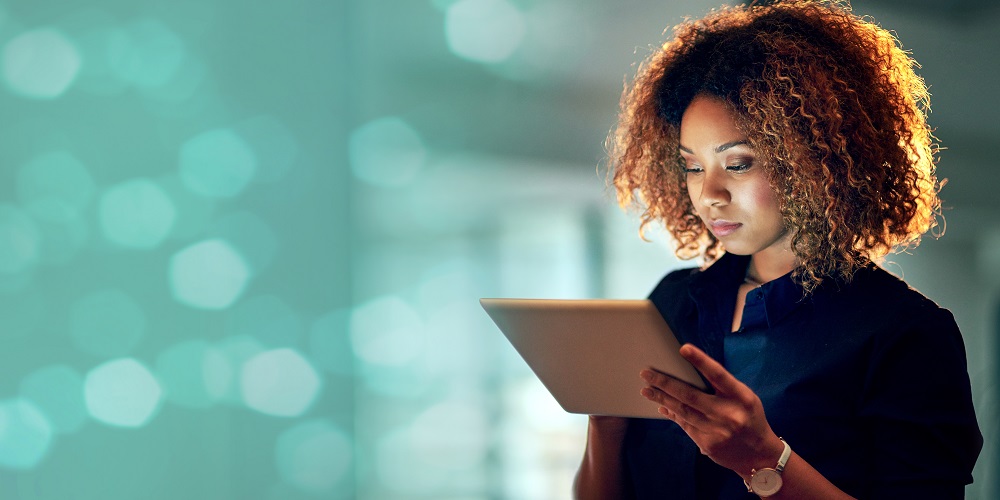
(828, 100)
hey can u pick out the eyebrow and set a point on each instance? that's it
(719, 149)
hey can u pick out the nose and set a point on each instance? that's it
(714, 191)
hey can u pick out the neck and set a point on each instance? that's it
(769, 265)
(751, 281)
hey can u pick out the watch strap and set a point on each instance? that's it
(785, 454)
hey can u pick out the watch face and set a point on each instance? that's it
(766, 482)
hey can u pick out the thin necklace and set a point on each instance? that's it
(750, 281)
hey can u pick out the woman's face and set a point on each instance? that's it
(726, 183)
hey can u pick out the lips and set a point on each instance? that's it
(722, 228)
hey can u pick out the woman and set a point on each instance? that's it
(787, 146)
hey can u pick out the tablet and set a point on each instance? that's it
(588, 353)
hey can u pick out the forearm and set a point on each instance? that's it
(602, 473)
(801, 481)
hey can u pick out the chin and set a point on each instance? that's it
(738, 249)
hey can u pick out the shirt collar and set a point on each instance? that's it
(714, 289)
(781, 296)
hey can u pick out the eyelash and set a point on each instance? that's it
(739, 168)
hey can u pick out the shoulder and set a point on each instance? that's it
(674, 282)
(671, 296)
(726, 268)
(887, 318)
(917, 393)
(875, 294)
(676, 293)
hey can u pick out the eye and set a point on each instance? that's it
(691, 168)
(741, 167)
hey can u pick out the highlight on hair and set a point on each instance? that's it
(829, 101)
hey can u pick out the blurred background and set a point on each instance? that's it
(242, 243)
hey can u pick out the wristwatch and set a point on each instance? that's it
(766, 482)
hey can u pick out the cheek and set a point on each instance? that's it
(765, 201)
(693, 190)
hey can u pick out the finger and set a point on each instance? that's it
(692, 431)
(675, 409)
(715, 373)
(684, 414)
(676, 388)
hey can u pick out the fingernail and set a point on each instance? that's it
(646, 375)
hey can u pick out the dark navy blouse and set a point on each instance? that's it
(867, 381)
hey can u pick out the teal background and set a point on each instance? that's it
(242, 243)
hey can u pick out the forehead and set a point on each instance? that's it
(706, 122)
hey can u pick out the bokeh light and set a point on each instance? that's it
(386, 152)
(95, 31)
(193, 373)
(208, 275)
(122, 393)
(25, 434)
(486, 31)
(58, 175)
(178, 96)
(279, 382)
(256, 240)
(136, 214)
(219, 375)
(387, 331)
(268, 319)
(40, 64)
(451, 440)
(194, 213)
(145, 52)
(556, 39)
(217, 163)
(313, 456)
(388, 338)
(57, 390)
(222, 376)
(62, 229)
(107, 323)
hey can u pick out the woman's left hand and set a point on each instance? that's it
(728, 426)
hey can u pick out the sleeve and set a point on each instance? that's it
(672, 287)
(917, 407)
(670, 283)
